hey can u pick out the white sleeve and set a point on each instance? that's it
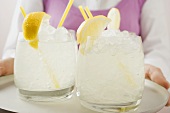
(16, 26)
(155, 27)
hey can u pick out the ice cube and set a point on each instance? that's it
(62, 34)
(110, 33)
(21, 37)
(48, 33)
(111, 39)
(125, 33)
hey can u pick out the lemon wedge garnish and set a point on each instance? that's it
(34, 43)
(31, 27)
(114, 15)
(91, 27)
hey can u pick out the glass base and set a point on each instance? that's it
(46, 96)
(112, 108)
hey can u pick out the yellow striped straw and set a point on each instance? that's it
(83, 13)
(23, 11)
(88, 12)
(65, 13)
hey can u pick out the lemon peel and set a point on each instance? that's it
(31, 25)
(114, 15)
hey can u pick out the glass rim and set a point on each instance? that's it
(20, 34)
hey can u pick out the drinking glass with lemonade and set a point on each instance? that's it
(110, 75)
(45, 60)
(110, 69)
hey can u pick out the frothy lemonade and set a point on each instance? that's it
(45, 59)
(111, 68)
(110, 65)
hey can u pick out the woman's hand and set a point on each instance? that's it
(7, 66)
(155, 74)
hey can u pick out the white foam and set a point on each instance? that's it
(48, 33)
(113, 40)
(112, 68)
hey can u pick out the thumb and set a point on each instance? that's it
(157, 76)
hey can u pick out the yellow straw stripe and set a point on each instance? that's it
(88, 12)
(65, 13)
(23, 11)
(83, 13)
(51, 73)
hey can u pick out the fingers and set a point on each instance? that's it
(1, 71)
(6, 66)
(156, 75)
(158, 78)
(168, 104)
(1, 68)
(9, 66)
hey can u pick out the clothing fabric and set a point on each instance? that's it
(130, 14)
(152, 24)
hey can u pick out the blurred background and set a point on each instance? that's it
(6, 13)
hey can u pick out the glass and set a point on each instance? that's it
(110, 76)
(46, 74)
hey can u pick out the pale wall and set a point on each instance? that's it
(6, 12)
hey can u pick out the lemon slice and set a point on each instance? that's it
(31, 27)
(91, 27)
(114, 15)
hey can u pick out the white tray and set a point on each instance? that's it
(154, 99)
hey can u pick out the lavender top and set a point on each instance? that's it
(130, 11)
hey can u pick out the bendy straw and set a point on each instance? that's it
(88, 12)
(83, 13)
(23, 11)
(65, 13)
